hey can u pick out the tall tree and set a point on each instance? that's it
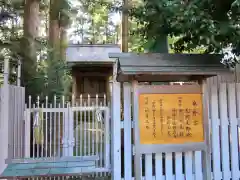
(30, 29)
(54, 29)
(93, 23)
(209, 23)
(25, 23)
(57, 72)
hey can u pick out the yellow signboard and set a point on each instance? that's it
(170, 118)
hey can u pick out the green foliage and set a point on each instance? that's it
(43, 76)
(53, 78)
(93, 23)
(211, 24)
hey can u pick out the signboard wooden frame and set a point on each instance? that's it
(169, 89)
(168, 148)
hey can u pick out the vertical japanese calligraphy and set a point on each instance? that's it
(170, 118)
(161, 115)
(146, 112)
(154, 119)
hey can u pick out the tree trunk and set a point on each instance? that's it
(63, 43)
(93, 32)
(29, 61)
(30, 27)
(124, 28)
(54, 30)
(106, 31)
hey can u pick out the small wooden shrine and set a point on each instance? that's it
(91, 68)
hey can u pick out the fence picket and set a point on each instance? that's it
(188, 165)
(116, 131)
(127, 132)
(101, 146)
(148, 166)
(159, 166)
(224, 132)
(89, 127)
(178, 165)
(198, 165)
(47, 123)
(215, 133)
(82, 130)
(233, 131)
(168, 166)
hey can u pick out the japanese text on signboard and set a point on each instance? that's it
(170, 118)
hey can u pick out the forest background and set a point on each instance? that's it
(37, 33)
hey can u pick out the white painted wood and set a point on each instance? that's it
(55, 141)
(13, 121)
(178, 166)
(88, 128)
(169, 165)
(115, 123)
(65, 137)
(101, 140)
(81, 126)
(84, 130)
(233, 131)
(198, 165)
(215, 133)
(11, 125)
(4, 117)
(238, 109)
(27, 134)
(71, 132)
(159, 167)
(46, 121)
(21, 119)
(127, 131)
(148, 166)
(107, 138)
(189, 165)
(224, 132)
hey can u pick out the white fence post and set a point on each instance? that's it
(65, 136)
(27, 134)
(116, 127)
(224, 126)
(70, 127)
(127, 132)
(4, 117)
(234, 152)
(215, 133)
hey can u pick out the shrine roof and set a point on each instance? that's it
(90, 53)
(167, 67)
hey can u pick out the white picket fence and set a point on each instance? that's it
(55, 128)
(224, 115)
(11, 123)
(224, 119)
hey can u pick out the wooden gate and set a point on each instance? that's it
(77, 129)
